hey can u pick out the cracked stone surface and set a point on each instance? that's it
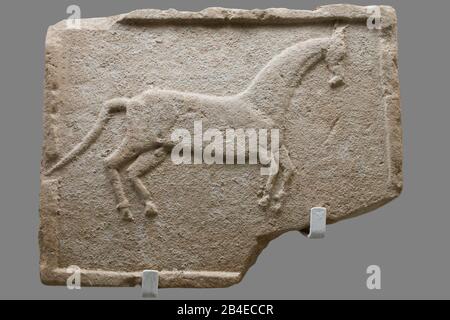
(113, 202)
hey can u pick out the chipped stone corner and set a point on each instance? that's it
(54, 275)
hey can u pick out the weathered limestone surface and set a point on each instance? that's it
(113, 202)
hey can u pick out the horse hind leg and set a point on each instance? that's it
(113, 163)
(143, 164)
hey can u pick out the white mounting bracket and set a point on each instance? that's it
(317, 223)
(150, 279)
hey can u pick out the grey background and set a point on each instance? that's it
(408, 238)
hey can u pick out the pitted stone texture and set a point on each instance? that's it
(113, 202)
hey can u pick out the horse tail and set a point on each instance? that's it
(109, 107)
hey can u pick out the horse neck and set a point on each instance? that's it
(273, 87)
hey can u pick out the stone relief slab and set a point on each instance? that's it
(114, 202)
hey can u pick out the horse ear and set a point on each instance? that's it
(336, 52)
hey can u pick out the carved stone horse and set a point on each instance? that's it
(154, 114)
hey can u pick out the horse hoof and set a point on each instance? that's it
(150, 209)
(264, 201)
(261, 191)
(276, 207)
(126, 214)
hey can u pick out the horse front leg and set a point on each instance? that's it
(272, 174)
(287, 168)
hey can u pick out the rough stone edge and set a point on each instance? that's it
(218, 15)
(391, 100)
(52, 101)
(52, 275)
(167, 279)
(48, 229)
